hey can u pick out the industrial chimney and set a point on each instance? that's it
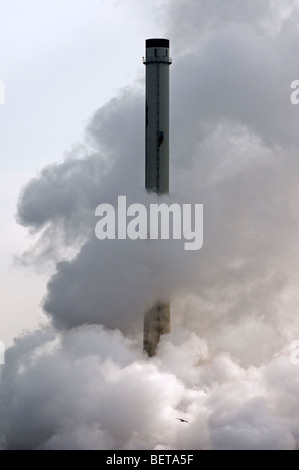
(157, 61)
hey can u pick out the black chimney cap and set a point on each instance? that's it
(157, 43)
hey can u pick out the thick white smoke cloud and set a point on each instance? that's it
(226, 364)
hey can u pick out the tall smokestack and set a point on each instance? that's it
(157, 61)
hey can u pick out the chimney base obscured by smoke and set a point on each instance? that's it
(156, 323)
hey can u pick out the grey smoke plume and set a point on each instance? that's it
(84, 382)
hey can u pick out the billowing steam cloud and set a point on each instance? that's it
(225, 367)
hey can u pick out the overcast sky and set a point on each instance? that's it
(73, 131)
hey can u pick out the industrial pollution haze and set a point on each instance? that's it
(83, 381)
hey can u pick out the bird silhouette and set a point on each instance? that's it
(183, 420)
